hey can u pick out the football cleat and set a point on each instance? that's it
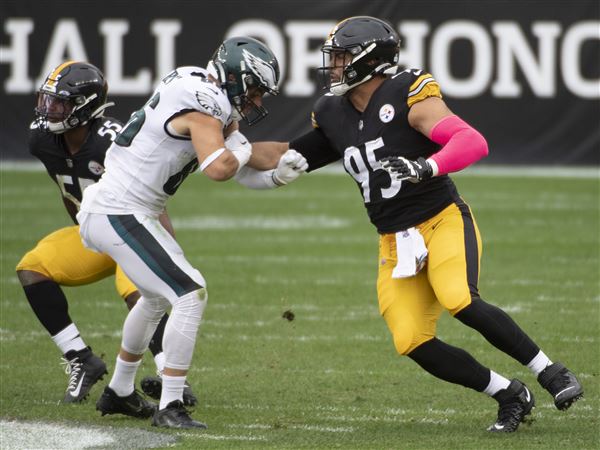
(516, 402)
(152, 387)
(562, 385)
(133, 405)
(84, 370)
(175, 416)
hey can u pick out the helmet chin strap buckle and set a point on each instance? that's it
(343, 87)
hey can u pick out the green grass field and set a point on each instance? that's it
(330, 378)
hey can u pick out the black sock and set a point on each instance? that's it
(451, 364)
(49, 305)
(155, 345)
(499, 329)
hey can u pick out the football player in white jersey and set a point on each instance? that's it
(190, 121)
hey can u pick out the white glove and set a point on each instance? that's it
(238, 144)
(290, 166)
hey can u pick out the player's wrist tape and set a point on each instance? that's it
(434, 167)
(242, 156)
(256, 179)
(276, 180)
(236, 140)
(211, 158)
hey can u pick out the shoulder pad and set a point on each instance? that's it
(421, 85)
(38, 139)
(206, 97)
(322, 105)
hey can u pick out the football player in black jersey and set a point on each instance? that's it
(70, 137)
(398, 140)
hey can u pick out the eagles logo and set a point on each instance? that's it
(208, 104)
(261, 69)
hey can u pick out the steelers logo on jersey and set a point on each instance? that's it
(386, 113)
(96, 168)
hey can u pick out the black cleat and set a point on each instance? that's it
(516, 401)
(175, 416)
(84, 370)
(133, 405)
(562, 384)
(152, 387)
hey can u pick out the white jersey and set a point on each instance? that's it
(148, 160)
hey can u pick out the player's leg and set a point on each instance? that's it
(411, 311)
(128, 291)
(120, 397)
(60, 259)
(151, 385)
(454, 272)
(153, 260)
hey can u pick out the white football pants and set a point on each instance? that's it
(155, 263)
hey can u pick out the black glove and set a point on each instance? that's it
(401, 168)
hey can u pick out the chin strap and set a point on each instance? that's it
(99, 112)
(342, 88)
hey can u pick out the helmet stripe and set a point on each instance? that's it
(334, 30)
(52, 78)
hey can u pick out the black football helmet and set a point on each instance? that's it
(241, 63)
(371, 45)
(72, 94)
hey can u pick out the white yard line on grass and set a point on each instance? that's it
(220, 437)
(207, 222)
(325, 429)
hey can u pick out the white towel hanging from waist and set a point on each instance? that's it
(411, 253)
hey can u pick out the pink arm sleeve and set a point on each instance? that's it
(462, 145)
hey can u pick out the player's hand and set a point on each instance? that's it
(401, 168)
(291, 165)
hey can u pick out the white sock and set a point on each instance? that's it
(159, 360)
(497, 383)
(172, 389)
(539, 363)
(69, 339)
(123, 379)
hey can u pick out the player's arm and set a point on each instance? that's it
(216, 161)
(266, 154)
(423, 115)
(231, 128)
(272, 164)
(462, 145)
(290, 166)
(287, 160)
(308, 152)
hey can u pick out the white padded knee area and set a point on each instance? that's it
(181, 329)
(141, 322)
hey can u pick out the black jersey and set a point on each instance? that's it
(361, 140)
(73, 173)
